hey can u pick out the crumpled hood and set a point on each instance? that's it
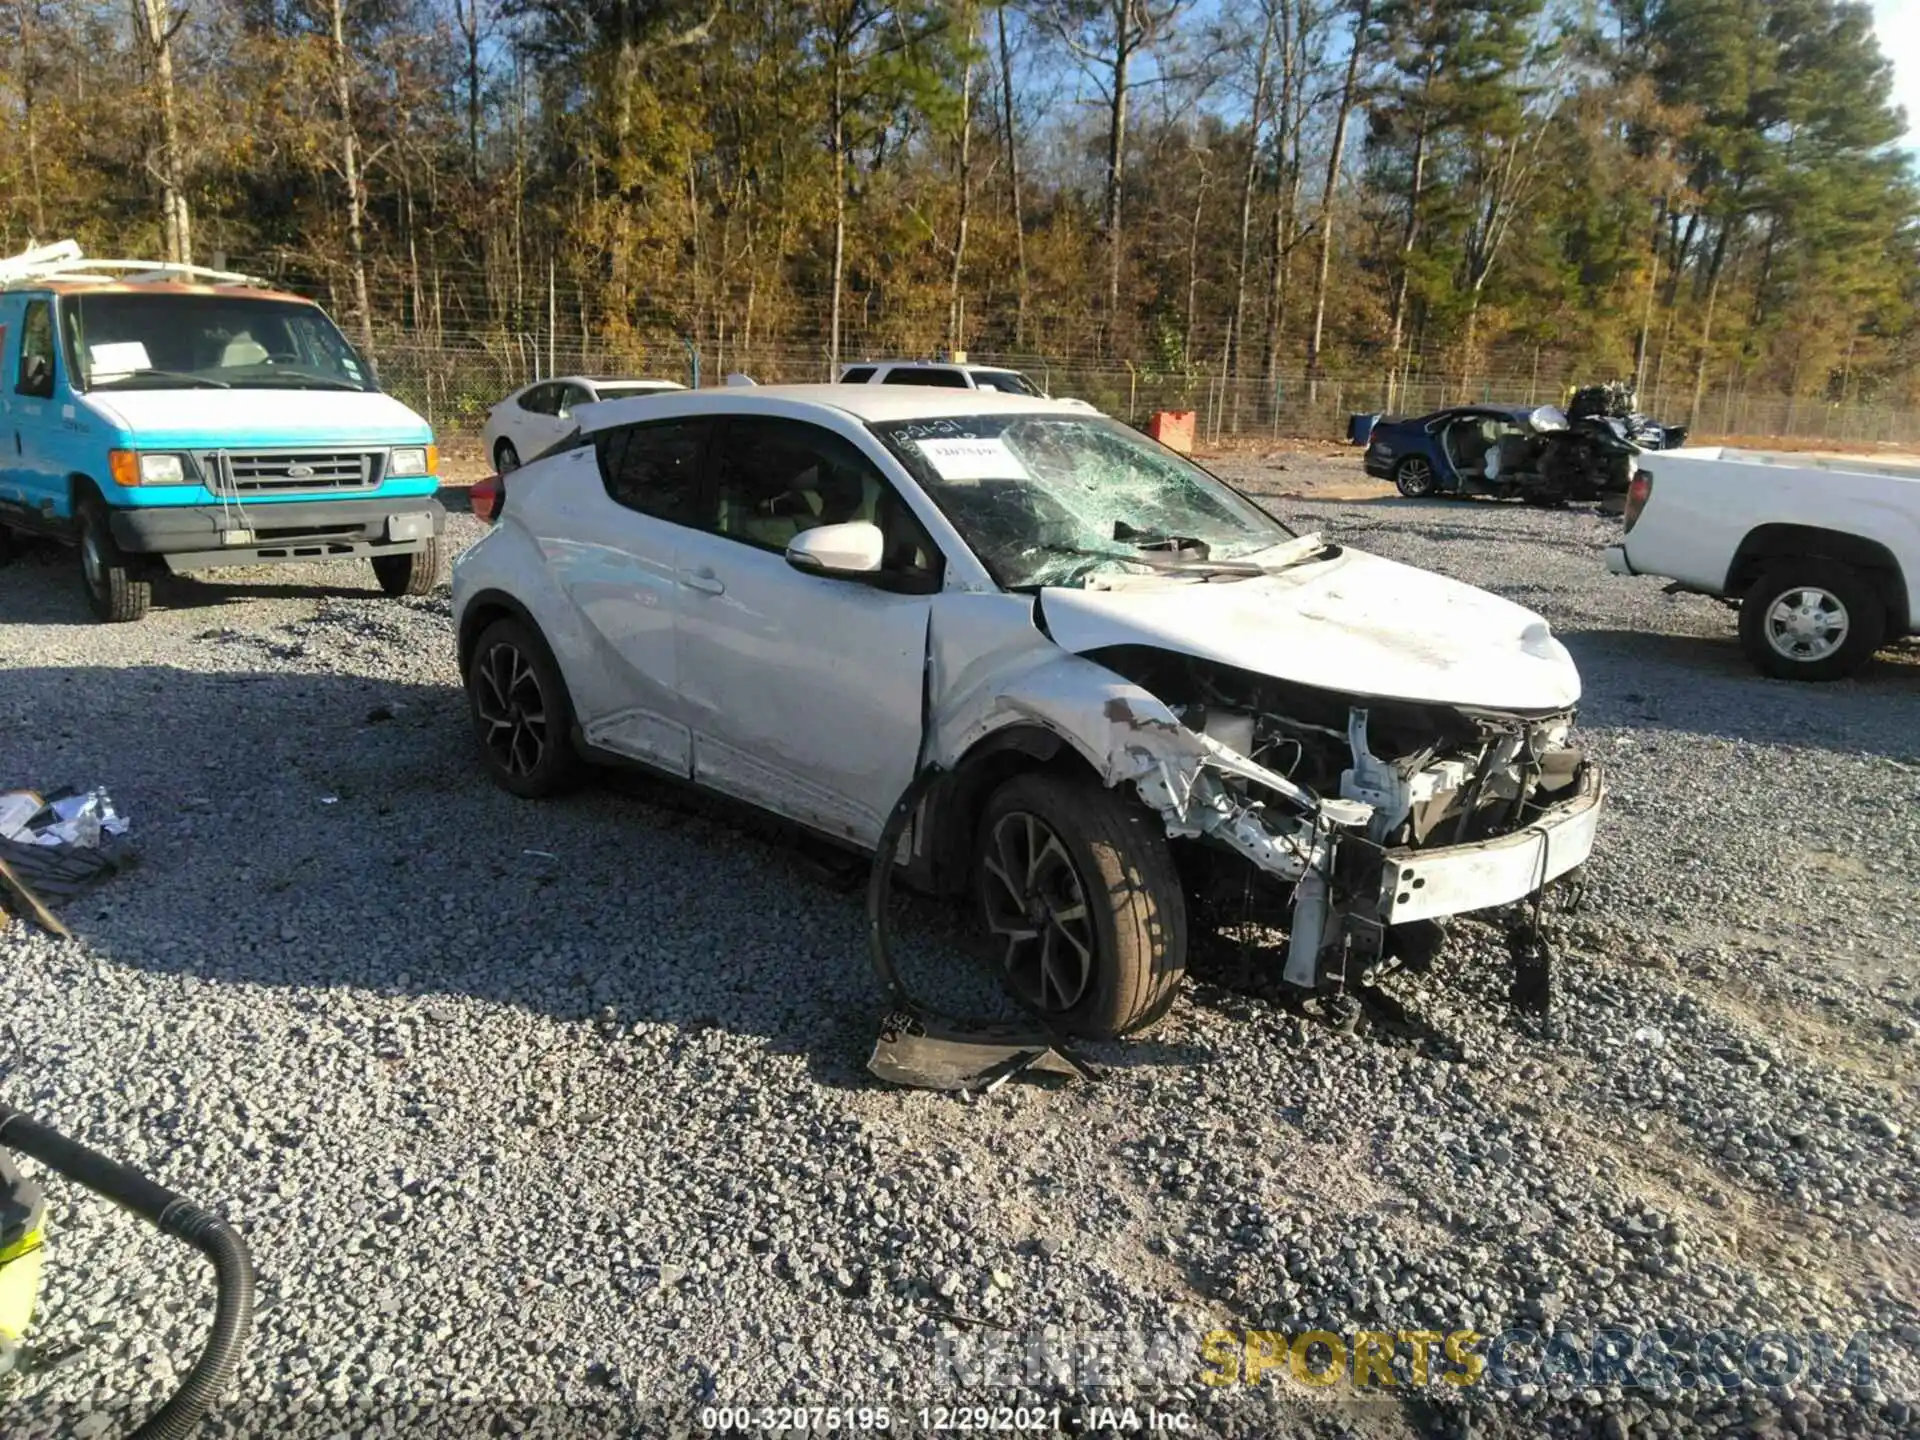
(215, 419)
(1358, 624)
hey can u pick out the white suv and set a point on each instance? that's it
(940, 375)
(1128, 687)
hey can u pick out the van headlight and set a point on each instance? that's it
(413, 460)
(135, 467)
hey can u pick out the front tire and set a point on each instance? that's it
(1811, 619)
(415, 573)
(1413, 478)
(116, 593)
(522, 715)
(1079, 894)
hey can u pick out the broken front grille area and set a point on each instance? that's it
(291, 472)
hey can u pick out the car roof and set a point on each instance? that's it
(927, 365)
(875, 403)
(602, 380)
(224, 292)
(1505, 412)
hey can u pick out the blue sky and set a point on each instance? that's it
(1898, 25)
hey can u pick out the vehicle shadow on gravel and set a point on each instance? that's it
(332, 832)
(1704, 685)
(40, 585)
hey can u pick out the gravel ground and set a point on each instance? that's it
(522, 1104)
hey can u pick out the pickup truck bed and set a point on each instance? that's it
(1821, 553)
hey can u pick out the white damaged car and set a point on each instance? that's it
(1140, 692)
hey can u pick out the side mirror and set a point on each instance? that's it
(854, 549)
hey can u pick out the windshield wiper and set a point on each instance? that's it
(284, 381)
(1156, 562)
(184, 377)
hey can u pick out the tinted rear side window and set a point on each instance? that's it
(946, 379)
(858, 375)
(656, 469)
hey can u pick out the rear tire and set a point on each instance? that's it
(1079, 894)
(116, 592)
(506, 459)
(1811, 619)
(1413, 477)
(522, 715)
(415, 573)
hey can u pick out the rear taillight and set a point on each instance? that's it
(1638, 490)
(487, 497)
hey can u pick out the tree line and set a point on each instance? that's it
(1691, 192)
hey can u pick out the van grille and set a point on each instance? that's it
(276, 472)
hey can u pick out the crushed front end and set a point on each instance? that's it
(1377, 818)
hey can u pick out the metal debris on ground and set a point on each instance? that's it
(64, 817)
(930, 1054)
(53, 848)
(928, 1051)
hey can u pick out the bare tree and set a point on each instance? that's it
(1250, 173)
(155, 24)
(1108, 38)
(349, 162)
(954, 337)
(1335, 154)
(472, 20)
(1013, 176)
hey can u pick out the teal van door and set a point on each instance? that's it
(34, 418)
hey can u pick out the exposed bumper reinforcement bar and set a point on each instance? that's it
(1454, 879)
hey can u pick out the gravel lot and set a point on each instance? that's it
(592, 1125)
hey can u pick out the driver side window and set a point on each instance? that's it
(775, 478)
(36, 351)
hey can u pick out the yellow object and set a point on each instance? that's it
(20, 1282)
(22, 1246)
(124, 466)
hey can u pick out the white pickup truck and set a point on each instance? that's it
(1821, 553)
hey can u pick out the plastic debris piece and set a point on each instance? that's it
(66, 817)
(930, 1054)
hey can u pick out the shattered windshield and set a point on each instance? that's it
(1051, 499)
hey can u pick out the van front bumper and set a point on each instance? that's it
(207, 537)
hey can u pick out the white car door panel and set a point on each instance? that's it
(619, 567)
(803, 691)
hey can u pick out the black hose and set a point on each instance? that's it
(183, 1220)
(880, 885)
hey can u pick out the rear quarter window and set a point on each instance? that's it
(928, 375)
(858, 375)
(656, 469)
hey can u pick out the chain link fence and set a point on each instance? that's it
(455, 381)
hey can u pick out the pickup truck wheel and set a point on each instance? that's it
(415, 573)
(115, 591)
(522, 715)
(1081, 901)
(1811, 619)
(1413, 477)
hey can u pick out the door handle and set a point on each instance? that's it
(705, 581)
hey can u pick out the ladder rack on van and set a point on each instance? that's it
(65, 262)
